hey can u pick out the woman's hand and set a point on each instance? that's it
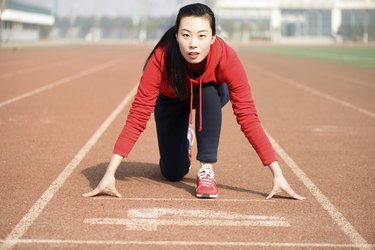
(106, 185)
(280, 184)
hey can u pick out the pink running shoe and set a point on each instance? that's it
(206, 183)
(191, 139)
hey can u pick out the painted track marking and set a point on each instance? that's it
(34, 212)
(193, 243)
(60, 82)
(336, 216)
(33, 69)
(148, 219)
(363, 83)
(316, 92)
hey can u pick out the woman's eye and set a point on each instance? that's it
(185, 35)
(202, 36)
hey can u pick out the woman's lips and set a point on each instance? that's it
(193, 55)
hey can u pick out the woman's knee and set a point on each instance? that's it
(173, 175)
(223, 91)
(174, 171)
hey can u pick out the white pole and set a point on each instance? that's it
(2, 8)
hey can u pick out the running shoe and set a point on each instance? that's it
(206, 183)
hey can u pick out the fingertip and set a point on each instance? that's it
(85, 195)
(300, 198)
(89, 194)
(269, 196)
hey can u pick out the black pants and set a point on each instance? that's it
(172, 122)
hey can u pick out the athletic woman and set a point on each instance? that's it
(191, 68)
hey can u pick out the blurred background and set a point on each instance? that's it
(274, 21)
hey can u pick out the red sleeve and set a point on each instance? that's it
(143, 105)
(244, 109)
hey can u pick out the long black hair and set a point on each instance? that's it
(175, 65)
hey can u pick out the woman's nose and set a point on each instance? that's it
(193, 43)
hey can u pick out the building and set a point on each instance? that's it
(22, 22)
(297, 20)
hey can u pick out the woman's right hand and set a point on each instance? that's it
(106, 185)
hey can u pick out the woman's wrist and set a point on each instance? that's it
(275, 168)
(113, 165)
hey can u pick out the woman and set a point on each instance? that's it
(190, 67)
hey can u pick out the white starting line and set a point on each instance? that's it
(191, 243)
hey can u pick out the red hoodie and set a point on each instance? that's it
(222, 66)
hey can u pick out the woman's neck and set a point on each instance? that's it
(196, 70)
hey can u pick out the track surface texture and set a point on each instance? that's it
(62, 108)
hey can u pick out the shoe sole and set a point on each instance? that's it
(207, 196)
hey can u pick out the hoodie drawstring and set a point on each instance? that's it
(191, 102)
(200, 104)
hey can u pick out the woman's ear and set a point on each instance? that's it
(213, 39)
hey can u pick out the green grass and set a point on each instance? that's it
(356, 56)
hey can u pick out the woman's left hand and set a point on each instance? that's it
(280, 184)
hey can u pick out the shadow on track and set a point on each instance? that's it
(150, 171)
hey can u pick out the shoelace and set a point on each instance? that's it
(206, 175)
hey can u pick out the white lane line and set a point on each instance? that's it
(59, 82)
(181, 199)
(352, 80)
(192, 243)
(336, 216)
(316, 92)
(29, 70)
(42, 202)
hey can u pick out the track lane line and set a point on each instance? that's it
(337, 217)
(194, 243)
(363, 83)
(34, 212)
(315, 92)
(33, 69)
(323, 200)
(60, 82)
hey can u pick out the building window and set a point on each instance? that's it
(29, 26)
(355, 24)
(8, 25)
(306, 23)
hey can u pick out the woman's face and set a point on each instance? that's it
(194, 38)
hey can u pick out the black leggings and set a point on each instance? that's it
(172, 122)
